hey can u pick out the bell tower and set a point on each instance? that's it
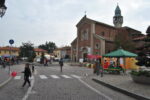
(118, 18)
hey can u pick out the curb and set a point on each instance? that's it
(131, 94)
(5, 82)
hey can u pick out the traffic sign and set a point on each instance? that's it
(11, 41)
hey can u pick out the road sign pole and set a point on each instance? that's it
(11, 41)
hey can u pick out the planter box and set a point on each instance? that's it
(141, 79)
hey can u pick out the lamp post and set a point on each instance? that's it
(3, 8)
(11, 41)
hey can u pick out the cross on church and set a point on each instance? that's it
(85, 13)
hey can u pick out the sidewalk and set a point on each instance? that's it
(124, 84)
(4, 76)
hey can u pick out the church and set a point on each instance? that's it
(97, 38)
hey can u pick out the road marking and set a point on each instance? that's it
(54, 76)
(29, 90)
(65, 76)
(31, 77)
(75, 76)
(35, 72)
(95, 90)
(43, 77)
(17, 77)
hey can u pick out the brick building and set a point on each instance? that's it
(97, 38)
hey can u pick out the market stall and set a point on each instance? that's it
(119, 61)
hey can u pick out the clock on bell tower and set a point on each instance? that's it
(118, 19)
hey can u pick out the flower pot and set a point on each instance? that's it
(141, 79)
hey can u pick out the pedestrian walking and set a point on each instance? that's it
(27, 74)
(32, 68)
(61, 63)
(99, 68)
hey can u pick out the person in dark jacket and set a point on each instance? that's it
(27, 74)
(61, 63)
(99, 68)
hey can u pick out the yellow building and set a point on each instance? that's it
(5, 51)
(39, 52)
(57, 52)
(14, 51)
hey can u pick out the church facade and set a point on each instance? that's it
(97, 38)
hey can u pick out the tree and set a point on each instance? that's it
(144, 54)
(124, 41)
(48, 46)
(27, 50)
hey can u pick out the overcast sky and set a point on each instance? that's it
(39, 21)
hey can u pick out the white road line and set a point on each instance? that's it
(35, 72)
(54, 76)
(65, 76)
(43, 77)
(29, 90)
(75, 76)
(31, 77)
(100, 93)
(17, 77)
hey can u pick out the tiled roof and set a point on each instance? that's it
(8, 48)
(85, 18)
(39, 50)
(17, 49)
(139, 38)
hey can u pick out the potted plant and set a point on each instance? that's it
(143, 74)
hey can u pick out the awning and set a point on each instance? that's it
(120, 53)
(93, 56)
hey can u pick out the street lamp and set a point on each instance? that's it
(3, 8)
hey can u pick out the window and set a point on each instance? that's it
(103, 33)
(84, 35)
(96, 46)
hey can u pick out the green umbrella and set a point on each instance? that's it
(120, 53)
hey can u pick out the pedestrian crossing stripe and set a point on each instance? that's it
(31, 77)
(17, 77)
(65, 76)
(43, 77)
(54, 76)
(75, 76)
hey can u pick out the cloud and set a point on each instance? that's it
(39, 21)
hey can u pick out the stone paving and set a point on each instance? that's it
(125, 82)
(121, 81)
(3, 74)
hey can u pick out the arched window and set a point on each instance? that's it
(84, 35)
(97, 46)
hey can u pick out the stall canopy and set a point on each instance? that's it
(93, 56)
(120, 53)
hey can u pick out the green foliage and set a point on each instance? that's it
(48, 46)
(143, 58)
(123, 41)
(141, 73)
(27, 50)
